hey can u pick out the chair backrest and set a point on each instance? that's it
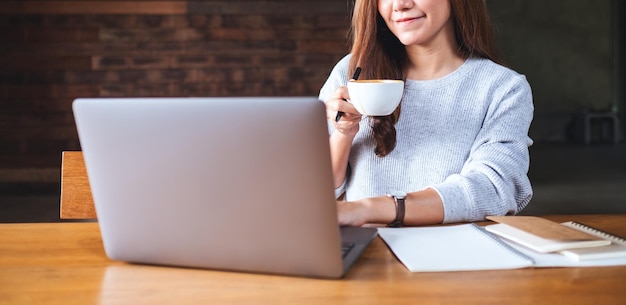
(76, 198)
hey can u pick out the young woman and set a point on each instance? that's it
(456, 149)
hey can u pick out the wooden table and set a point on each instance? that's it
(64, 263)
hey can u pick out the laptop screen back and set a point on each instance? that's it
(222, 183)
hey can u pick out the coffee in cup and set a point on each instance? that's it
(378, 97)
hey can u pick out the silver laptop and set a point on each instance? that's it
(241, 184)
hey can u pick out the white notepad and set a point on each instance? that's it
(463, 247)
(617, 248)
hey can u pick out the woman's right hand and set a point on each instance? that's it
(348, 125)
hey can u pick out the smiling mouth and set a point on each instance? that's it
(409, 19)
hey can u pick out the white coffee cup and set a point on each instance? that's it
(376, 97)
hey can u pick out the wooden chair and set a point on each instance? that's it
(76, 197)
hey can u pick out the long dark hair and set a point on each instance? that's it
(382, 56)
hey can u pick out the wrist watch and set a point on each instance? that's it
(398, 198)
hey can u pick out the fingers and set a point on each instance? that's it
(348, 124)
(337, 104)
(341, 93)
(344, 116)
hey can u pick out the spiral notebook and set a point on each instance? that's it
(543, 235)
(465, 247)
(616, 249)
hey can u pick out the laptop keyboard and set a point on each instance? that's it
(345, 248)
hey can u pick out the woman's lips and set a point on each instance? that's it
(407, 20)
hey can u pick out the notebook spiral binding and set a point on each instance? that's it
(502, 243)
(598, 232)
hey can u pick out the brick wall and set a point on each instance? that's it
(52, 52)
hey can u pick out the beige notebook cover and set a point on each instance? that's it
(542, 235)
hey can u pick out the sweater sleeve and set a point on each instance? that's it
(338, 77)
(493, 180)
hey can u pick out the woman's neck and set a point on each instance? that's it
(434, 60)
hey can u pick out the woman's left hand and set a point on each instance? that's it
(351, 213)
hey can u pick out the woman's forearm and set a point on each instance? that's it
(340, 145)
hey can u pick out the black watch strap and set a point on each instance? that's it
(400, 210)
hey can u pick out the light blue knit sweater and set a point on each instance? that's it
(464, 135)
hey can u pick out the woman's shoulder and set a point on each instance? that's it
(489, 67)
(342, 65)
(493, 72)
(339, 73)
(338, 77)
(344, 61)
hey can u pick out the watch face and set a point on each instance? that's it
(398, 194)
